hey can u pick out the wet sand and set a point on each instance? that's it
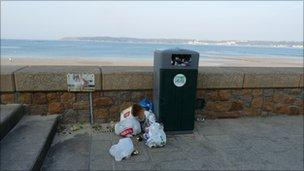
(224, 61)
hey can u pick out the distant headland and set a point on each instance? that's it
(291, 44)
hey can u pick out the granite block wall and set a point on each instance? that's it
(219, 103)
(74, 107)
(230, 103)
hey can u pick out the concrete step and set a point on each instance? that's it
(9, 116)
(26, 145)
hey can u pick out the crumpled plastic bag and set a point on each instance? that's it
(123, 149)
(127, 127)
(146, 104)
(149, 119)
(155, 135)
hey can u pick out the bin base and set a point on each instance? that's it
(179, 132)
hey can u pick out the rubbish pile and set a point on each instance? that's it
(137, 119)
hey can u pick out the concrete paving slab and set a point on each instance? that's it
(270, 145)
(223, 141)
(243, 126)
(216, 161)
(103, 136)
(134, 166)
(71, 154)
(167, 156)
(178, 165)
(100, 158)
(210, 128)
(231, 147)
(194, 145)
(287, 160)
(297, 140)
(242, 155)
(286, 125)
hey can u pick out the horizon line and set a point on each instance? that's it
(60, 39)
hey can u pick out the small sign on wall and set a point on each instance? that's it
(81, 82)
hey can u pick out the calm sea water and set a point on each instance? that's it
(97, 50)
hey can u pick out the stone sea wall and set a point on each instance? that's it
(251, 102)
(227, 92)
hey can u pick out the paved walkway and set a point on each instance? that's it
(247, 143)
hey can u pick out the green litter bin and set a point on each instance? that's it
(174, 89)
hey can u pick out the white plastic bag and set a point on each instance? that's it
(127, 127)
(149, 119)
(155, 135)
(123, 149)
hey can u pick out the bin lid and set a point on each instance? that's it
(176, 51)
(176, 59)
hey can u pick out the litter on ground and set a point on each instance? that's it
(123, 149)
(134, 120)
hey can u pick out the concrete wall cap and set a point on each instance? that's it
(127, 78)
(219, 77)
(7, 82)
(51, 78)
(126, 69)
(271, 77)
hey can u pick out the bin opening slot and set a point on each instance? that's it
(181, 59)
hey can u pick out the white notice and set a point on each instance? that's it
(81, 82)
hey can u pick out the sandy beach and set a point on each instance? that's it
(224, 61)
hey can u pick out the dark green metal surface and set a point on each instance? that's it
(177, 104)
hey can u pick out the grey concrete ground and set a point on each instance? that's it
(247, 143)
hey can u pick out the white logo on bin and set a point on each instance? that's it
(179, 80)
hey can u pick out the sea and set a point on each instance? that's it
(58, 49)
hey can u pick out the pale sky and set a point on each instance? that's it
(198, 20)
